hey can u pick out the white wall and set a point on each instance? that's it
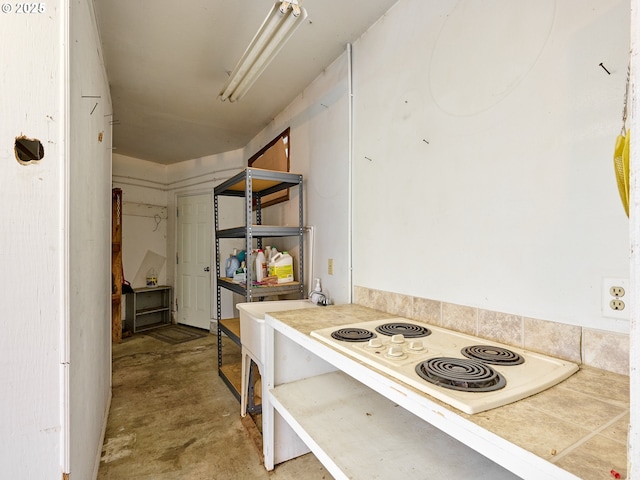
(634, 358)
(144, 219)
(89, 243)
(55, 342)
(32, 252)
(319, 122)
(483, 155)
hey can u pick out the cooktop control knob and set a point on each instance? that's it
(399, 338)
(374, 343)
(395, 351)
(416, 346)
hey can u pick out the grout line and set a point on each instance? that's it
(477, 332)
(583, 440)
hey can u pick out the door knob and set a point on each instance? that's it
(206, 269)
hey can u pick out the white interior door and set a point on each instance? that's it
(194, 260)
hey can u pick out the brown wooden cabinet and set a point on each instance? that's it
(116, 265)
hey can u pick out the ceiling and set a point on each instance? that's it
(167, 61)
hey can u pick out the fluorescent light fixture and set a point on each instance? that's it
(283, 19)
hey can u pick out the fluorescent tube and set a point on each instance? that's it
(271, 37)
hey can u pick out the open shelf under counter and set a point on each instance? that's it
(295, 404)
(357, 433)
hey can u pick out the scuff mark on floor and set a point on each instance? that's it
(173, 454)
(118, 447)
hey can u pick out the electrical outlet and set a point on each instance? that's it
(330, 266)
(613, 298)
(616, 305)
(617, 291)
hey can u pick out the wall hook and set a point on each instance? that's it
(605, 68)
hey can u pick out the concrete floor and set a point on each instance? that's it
(172, 417)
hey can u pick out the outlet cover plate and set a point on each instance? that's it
(608, 296)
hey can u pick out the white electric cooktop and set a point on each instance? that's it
(431, 359)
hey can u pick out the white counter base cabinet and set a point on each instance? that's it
(362, 424)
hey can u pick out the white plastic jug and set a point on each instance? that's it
(251, 261)
(282, 267)
(261, 266)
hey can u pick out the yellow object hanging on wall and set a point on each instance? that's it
(621, 165)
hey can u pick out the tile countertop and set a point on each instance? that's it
(580, 425)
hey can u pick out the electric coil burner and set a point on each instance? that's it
(460, 374)
(409, 330)
(352, 334)
(492, 355)
(466, 372)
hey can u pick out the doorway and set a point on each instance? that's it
(193, 270)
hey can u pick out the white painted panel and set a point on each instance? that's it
(32, 251)
(493, 190)
(89, 243)
(186, 250)
(187, 292)
(203, 295)
(203, 239)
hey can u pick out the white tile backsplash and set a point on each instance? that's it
(606, 350)
(599, 349)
